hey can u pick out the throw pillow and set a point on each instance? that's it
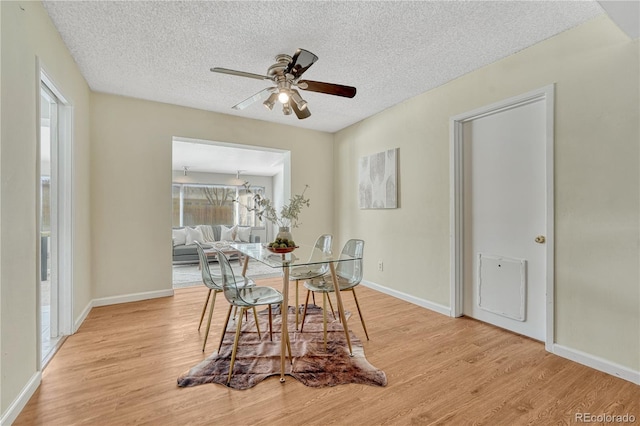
(227, 234)
(244, 234)
(179, 237)
(193, 235)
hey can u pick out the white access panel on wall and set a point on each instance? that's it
(502, 286)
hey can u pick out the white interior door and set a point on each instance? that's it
(505, 217)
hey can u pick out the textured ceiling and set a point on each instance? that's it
(390, 51)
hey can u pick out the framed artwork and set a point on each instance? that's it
(377, 180)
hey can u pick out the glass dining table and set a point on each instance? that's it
(302, 256)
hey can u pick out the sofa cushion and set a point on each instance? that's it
(193, 235)
(243, 234)
(179, 237)
(227, 234)
(183, 250)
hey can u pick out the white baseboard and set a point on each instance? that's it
(441, 309)
(134, 297)
(597, 363)
(580, 357)
(82, 316)
(104, 301)
(20, 402)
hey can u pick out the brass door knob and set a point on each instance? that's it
(540, 239)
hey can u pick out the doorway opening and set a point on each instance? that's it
(54, 219)
(209, 196)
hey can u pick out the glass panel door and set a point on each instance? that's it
(48, 253)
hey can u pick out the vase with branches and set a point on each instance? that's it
(286, 218)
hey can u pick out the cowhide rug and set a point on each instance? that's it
(258, 359)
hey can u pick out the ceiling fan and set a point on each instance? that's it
(286, 73)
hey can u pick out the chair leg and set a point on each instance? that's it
(235, 346)
(353, 290)
(331, 306)
(206, 335)
(270, 324)
(204, 309)
(324, 318)
(304, 313)
(255, 317)
(235, 313)
(224, 327)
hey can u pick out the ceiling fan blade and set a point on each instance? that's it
(300, 62)
(260, 96)
(240, 73)
(301, 114)
(328, 88)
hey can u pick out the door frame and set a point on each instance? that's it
(456, 185)
(64, 231)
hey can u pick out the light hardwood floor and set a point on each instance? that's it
(122, 364)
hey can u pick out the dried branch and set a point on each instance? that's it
(265, 210)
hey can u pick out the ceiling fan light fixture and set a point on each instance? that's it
(271, 101)
(286, 75)
(301, 103)
(237, 181)
(283, 97)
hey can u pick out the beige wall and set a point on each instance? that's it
(27, 32)
(595, 68)
(131, 177)
(2, 409)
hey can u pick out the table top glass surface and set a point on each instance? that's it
(303, 255)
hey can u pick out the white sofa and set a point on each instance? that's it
(184, 248)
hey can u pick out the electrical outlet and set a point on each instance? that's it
(380, 266)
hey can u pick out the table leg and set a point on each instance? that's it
(245, 266)
(285, 320)
(297, 309)
(336, 287)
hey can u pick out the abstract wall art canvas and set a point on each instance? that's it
(378, 178)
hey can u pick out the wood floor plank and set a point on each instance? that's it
(122, 365)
